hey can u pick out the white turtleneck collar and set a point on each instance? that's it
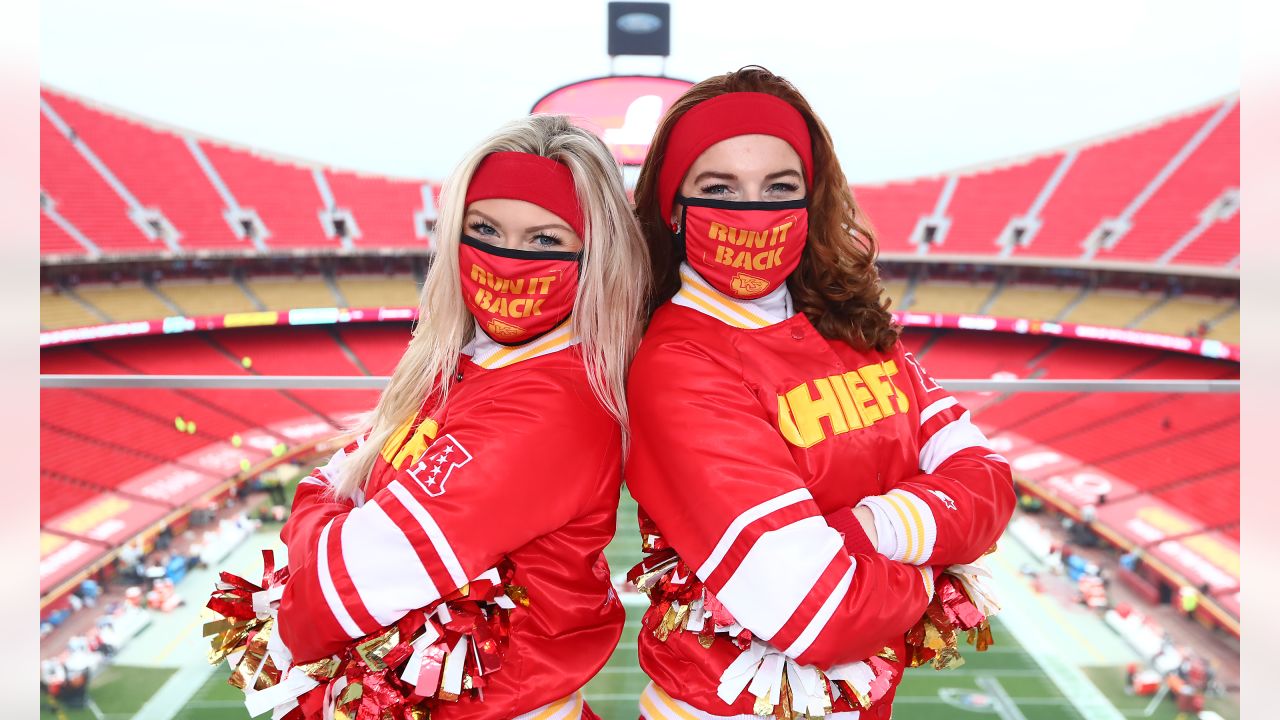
(698, 294)
(490, 355)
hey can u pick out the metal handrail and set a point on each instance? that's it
(342, 382)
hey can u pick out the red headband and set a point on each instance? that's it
(723, 117)
(531, 178)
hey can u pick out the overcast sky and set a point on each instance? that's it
(403, 89)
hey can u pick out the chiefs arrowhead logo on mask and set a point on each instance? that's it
(745, 285)
(517, 296)
(745, 250)
(497, 329)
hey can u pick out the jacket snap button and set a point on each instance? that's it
(797, 333)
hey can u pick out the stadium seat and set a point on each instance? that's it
(284, 196)
(1226, 329)
(378, 345)
(201, 297)
(378, 291)
(57, 310)
(1183, 315)
(1112, 308)
(125, 302)
(1030, 301)
(85, 199)
(383, 208)
(893, 209)
(1103, 179)
(159, 170)
(55, 242)
(287, 293)
(162, 170)
(896, 291)
(949, 297)
(1177, 205)
(985, 201)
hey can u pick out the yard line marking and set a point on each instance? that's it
(1051, 607)
(177, 638)
(1004, 707)
(927, 700)
(1070, 680)
(962, 672)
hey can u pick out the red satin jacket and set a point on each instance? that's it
(747, 441)
(521, 463)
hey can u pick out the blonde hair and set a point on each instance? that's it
(608, 312)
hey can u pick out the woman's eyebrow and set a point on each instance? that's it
(555, 226)
(782, 174)
(486, 218)
(713, 175)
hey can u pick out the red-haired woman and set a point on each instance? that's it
(799, 476)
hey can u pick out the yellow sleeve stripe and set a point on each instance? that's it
(656, 704)
(903, 526)
(557, 709)
(926, 573)
(924, 524)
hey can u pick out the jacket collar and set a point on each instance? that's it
(698, 294)
(490, 355)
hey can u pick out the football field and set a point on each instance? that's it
(161, 676)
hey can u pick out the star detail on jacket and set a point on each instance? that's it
(444, 456)
(945, 498)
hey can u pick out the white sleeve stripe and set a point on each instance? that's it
(326, 585)
(897, 518)
(823, 615)
(936, 408)
(911, 523)
(922, 522)
(778, 573)
(742, 521)
(950, 439)
(428, 523)
(886, 534)
(383, 565)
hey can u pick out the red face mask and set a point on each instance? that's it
(745, 250)
(517, 296)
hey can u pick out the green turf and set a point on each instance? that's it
(215, 700)
(120, 691)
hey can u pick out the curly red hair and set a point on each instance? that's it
(836, 284)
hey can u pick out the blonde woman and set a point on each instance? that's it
(472, 515)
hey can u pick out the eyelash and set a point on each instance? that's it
(481, 226)
(721, 188)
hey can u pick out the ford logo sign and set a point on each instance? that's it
(639, 23)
